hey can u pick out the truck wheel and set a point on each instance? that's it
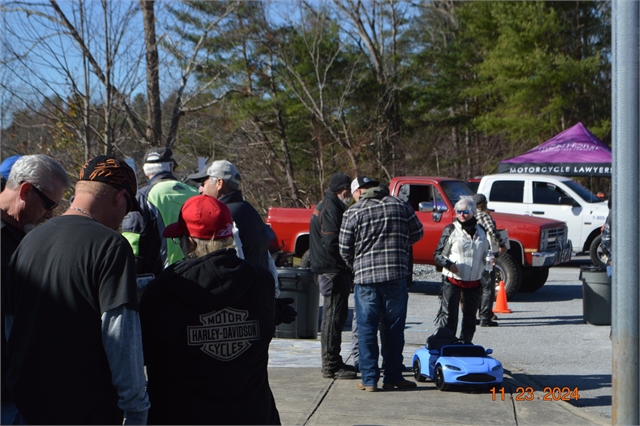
(305, 261)
(509, 272)
(533, 279)
(598, 258)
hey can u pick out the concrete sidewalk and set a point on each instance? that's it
(304, 397)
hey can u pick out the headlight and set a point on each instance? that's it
(497, 367)
(452, 367)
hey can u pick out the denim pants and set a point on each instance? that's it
(334, 315)
(386, 302)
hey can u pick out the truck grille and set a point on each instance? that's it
(553, 239)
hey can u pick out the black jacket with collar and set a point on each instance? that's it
(324, 230)
(251, 227)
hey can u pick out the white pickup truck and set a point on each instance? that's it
(552, 197)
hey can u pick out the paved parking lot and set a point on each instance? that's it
(544, 341)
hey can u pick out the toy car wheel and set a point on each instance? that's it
(439, 379)
(417, 371)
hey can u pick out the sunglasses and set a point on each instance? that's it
(49, 204)
(463, 211)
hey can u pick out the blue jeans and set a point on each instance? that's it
(375, 302)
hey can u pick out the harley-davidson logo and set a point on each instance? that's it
(225, 334)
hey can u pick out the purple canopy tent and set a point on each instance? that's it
(574, 152)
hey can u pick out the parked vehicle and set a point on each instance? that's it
(473, 184)
(552, 197)
(536, 244)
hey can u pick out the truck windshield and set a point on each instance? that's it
(583, 192)
(454, 189)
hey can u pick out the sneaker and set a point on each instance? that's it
(403, 384)
(488, 323)
(340, 374)
(372, 388)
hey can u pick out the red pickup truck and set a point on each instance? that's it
(536, 244)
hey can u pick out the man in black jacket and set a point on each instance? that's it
(221, 180)
(332, 273)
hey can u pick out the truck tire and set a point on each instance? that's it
(598, 258)
(305, 261)
(533, 279)
(509, 272)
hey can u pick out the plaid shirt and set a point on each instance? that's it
(486, 221)
(376, 237)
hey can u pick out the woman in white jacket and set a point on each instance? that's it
(461, 252)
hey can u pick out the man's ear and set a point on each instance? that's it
(24, 190)
(121, 197)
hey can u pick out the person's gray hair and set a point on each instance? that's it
(204, 247)
(40, 170)
(152, 169)
(466, 203)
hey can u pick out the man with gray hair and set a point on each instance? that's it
(220, 179)
(160, 202)
(33, 190)
(73, 330)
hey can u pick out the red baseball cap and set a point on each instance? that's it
(202, 217)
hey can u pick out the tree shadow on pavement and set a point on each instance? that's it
(556, 383)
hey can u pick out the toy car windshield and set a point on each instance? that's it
(463, 351)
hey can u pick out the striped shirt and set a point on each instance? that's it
(376, 236)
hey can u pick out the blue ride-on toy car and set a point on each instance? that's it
(447, 361)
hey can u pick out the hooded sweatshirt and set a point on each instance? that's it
(206, 327)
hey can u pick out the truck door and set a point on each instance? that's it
(552, 202)
(507, 196)
(433, 222)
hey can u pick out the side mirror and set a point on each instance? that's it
(568, 201)
(489, 351)
(426, 206)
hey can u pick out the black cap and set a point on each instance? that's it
(361, 181)
(114, 172)
(338, 182)
(160, 154)
(479, 199)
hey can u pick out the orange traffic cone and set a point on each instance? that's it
(501, 301)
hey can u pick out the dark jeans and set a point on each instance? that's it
(355, 352)
(375, 303)
(488, 286)
(334, 315)
(448, 313)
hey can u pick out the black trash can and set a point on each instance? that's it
(596, 295)
(300, 285)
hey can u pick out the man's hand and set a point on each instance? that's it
(285, 313)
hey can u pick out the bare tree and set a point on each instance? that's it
(317, 91)
(375, 27)
(40, 56)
